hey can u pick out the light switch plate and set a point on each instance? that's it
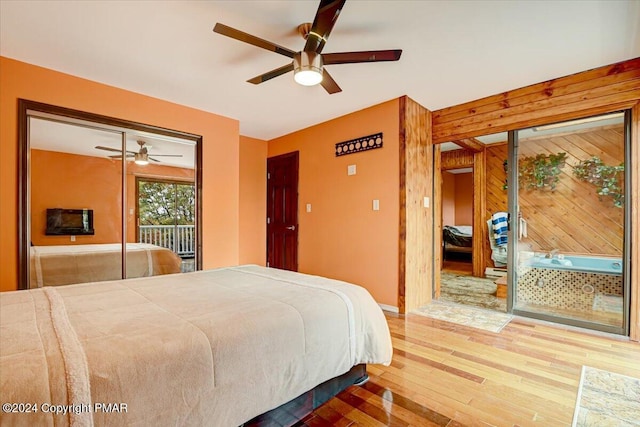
(351, 170)
(376, 204)
(426, 202)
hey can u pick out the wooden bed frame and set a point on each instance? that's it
(293, 411)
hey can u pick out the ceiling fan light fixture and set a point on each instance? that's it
(141, 159)
(307, 68)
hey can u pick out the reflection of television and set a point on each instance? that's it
(69, 222)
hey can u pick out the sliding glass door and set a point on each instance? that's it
(568, 222)
(166, 217)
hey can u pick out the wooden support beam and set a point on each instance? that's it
(415, 254)
(471, 144)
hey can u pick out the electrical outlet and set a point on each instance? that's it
(351, 170)
(73, 238)
(308, 207)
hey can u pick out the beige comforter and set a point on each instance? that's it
(65, 265)
(211, 348)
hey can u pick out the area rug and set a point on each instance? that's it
(479, 318)
(607, 399)
(469, 290)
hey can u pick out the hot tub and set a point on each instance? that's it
(575, 282)
(582, 263)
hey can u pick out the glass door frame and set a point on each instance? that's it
(513, 232)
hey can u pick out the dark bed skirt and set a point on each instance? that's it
(293, 411)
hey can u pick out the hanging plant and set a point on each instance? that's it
(607, 179)
(541, 171)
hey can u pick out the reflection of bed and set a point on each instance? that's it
(457, 241)
(213, 347)
(63, 265)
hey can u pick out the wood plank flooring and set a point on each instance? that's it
(444, 374)
(457, 267)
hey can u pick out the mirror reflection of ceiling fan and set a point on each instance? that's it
(141, 157)
(308, 64)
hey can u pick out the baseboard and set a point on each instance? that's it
(390, 308)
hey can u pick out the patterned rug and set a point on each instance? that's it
(479, 318)
(607, 399)
(471, 291)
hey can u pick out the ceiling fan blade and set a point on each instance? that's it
(108, 149)
(166, 155)
(323, 23)
(329, 84)
(114, 149)
(155, 160)
(271, 74)
(364, 56)
(248, 38)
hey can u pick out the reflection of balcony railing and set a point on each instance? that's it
(178, 238)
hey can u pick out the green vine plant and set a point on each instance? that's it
(607, 179)
(541, 171)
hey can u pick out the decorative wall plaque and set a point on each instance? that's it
(359, 144)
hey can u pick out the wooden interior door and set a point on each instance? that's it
(282, 211)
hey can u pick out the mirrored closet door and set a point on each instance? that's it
(105, 199)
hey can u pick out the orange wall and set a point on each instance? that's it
(76, 182)
(448, 199)
(220, 152)
(253, 200)
(88, 182)
(464, 198)
(342, 237)
(457, 198)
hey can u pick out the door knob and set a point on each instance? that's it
(291, 227)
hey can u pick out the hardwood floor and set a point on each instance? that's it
(444, 374)
(457, 267)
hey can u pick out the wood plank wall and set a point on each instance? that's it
(600, 90)
(496, 196)
(415, 267)
(609, 88)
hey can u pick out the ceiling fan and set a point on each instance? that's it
(141, 157)
(308, 64)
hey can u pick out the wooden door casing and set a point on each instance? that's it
(282, 211)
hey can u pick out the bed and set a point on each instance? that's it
(215, 347)
(457, 242)
(69, 264)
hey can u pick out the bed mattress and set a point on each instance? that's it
(69, 264)
(214, 347)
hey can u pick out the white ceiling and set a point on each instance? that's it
(82, 140)
(454, 51)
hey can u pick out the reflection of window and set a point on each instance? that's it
(166, 214)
